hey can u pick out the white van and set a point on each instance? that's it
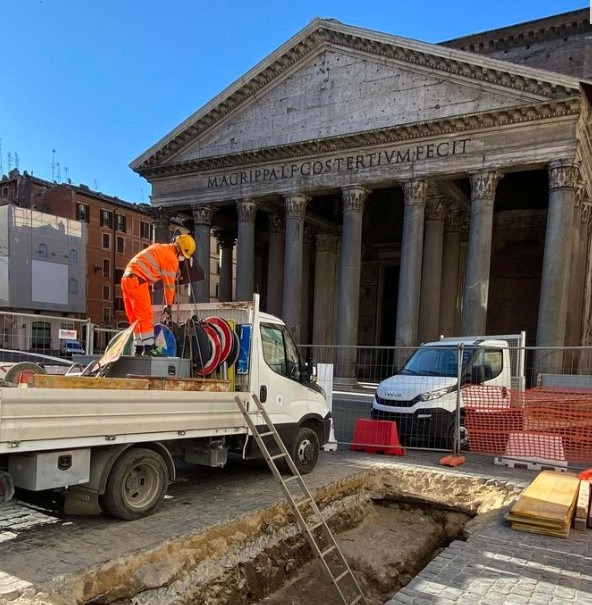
(71, 347)
(422, 396)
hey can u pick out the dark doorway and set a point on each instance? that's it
(388, 304)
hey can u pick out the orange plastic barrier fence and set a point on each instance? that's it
(541, 423)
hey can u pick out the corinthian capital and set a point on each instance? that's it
(415, 192)
(327, 242)
(354, 198)
(246, 210)
(276, 223)
(296, 206)
(202, 215)
(563, 174)
(484, 184)
(436, 208)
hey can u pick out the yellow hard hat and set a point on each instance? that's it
(187, 245)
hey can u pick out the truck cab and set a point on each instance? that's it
(422, 396)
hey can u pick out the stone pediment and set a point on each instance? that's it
(332, 81)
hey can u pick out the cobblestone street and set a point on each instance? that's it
(496, 565)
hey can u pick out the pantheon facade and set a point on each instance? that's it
(379, 190)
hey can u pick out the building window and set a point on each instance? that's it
(120, 245)
(118, 275)
(106, 267)
(106, 293)
(119, 303)
(5, 191)
(40, 336)
(106, 315)
(106, 241)
(120, 222)
(72, 286)
(73, 256)
(43, 250)
(83, 213)
(106, 219)
(145, 230)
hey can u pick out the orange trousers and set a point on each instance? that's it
(138, 307)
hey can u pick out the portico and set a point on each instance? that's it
(385, 191)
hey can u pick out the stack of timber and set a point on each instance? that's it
(145, 383)
(547, 505)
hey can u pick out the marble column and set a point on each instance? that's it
(292, 302)
(245, 266)
(552, 317)
(415, 194)
(202, 225)
(450, 273)
(162, 225)
(306, 306)
(226, 242)
(324, 294)
(579, 247)
(474, 311)
(162, 235)
(275, 267)
(431, 274)
(350, 264)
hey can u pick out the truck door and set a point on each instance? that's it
(280, 376)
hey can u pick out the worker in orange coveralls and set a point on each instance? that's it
(158, 262)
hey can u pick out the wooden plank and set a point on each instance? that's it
(50, 381)
(549, 497)
(582, 506)
(561, 533)
(189, 384)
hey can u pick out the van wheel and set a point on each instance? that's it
(305, 451)
(136, 485)
(464, 435)
(23, 372)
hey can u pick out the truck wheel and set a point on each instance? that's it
(136, 485)
(304, 451)
(464, 435)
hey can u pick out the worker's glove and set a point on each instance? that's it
(166, 310)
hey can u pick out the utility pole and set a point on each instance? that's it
(53, 152)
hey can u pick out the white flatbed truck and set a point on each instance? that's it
(112, 441)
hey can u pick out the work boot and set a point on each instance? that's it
(152, 351)
(139, 350)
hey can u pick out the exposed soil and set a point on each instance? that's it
(384, 552)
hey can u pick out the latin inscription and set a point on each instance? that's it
(350, 163)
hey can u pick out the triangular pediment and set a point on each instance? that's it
(333, 81)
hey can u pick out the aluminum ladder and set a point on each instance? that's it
(328, 552)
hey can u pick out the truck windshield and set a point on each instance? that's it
(436, 361)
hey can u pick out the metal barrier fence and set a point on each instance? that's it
(422, 397)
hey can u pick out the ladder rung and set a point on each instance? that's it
(266, 434)
(342, 575)
(277, 456)
(328, 551)
(356, 600)
(304, 501)
(292, 478)
(315, 526)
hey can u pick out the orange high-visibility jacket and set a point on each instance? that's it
(155, 263)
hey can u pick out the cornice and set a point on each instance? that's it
(511, 116)
(324, 36)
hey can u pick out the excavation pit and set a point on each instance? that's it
(389, 522)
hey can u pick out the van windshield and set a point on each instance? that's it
(436, 361)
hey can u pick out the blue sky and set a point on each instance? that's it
(100, 81)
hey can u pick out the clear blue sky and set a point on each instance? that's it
(100, 81)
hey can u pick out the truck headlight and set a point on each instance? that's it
(436, 394)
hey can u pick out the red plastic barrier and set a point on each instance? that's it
(374, 436)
